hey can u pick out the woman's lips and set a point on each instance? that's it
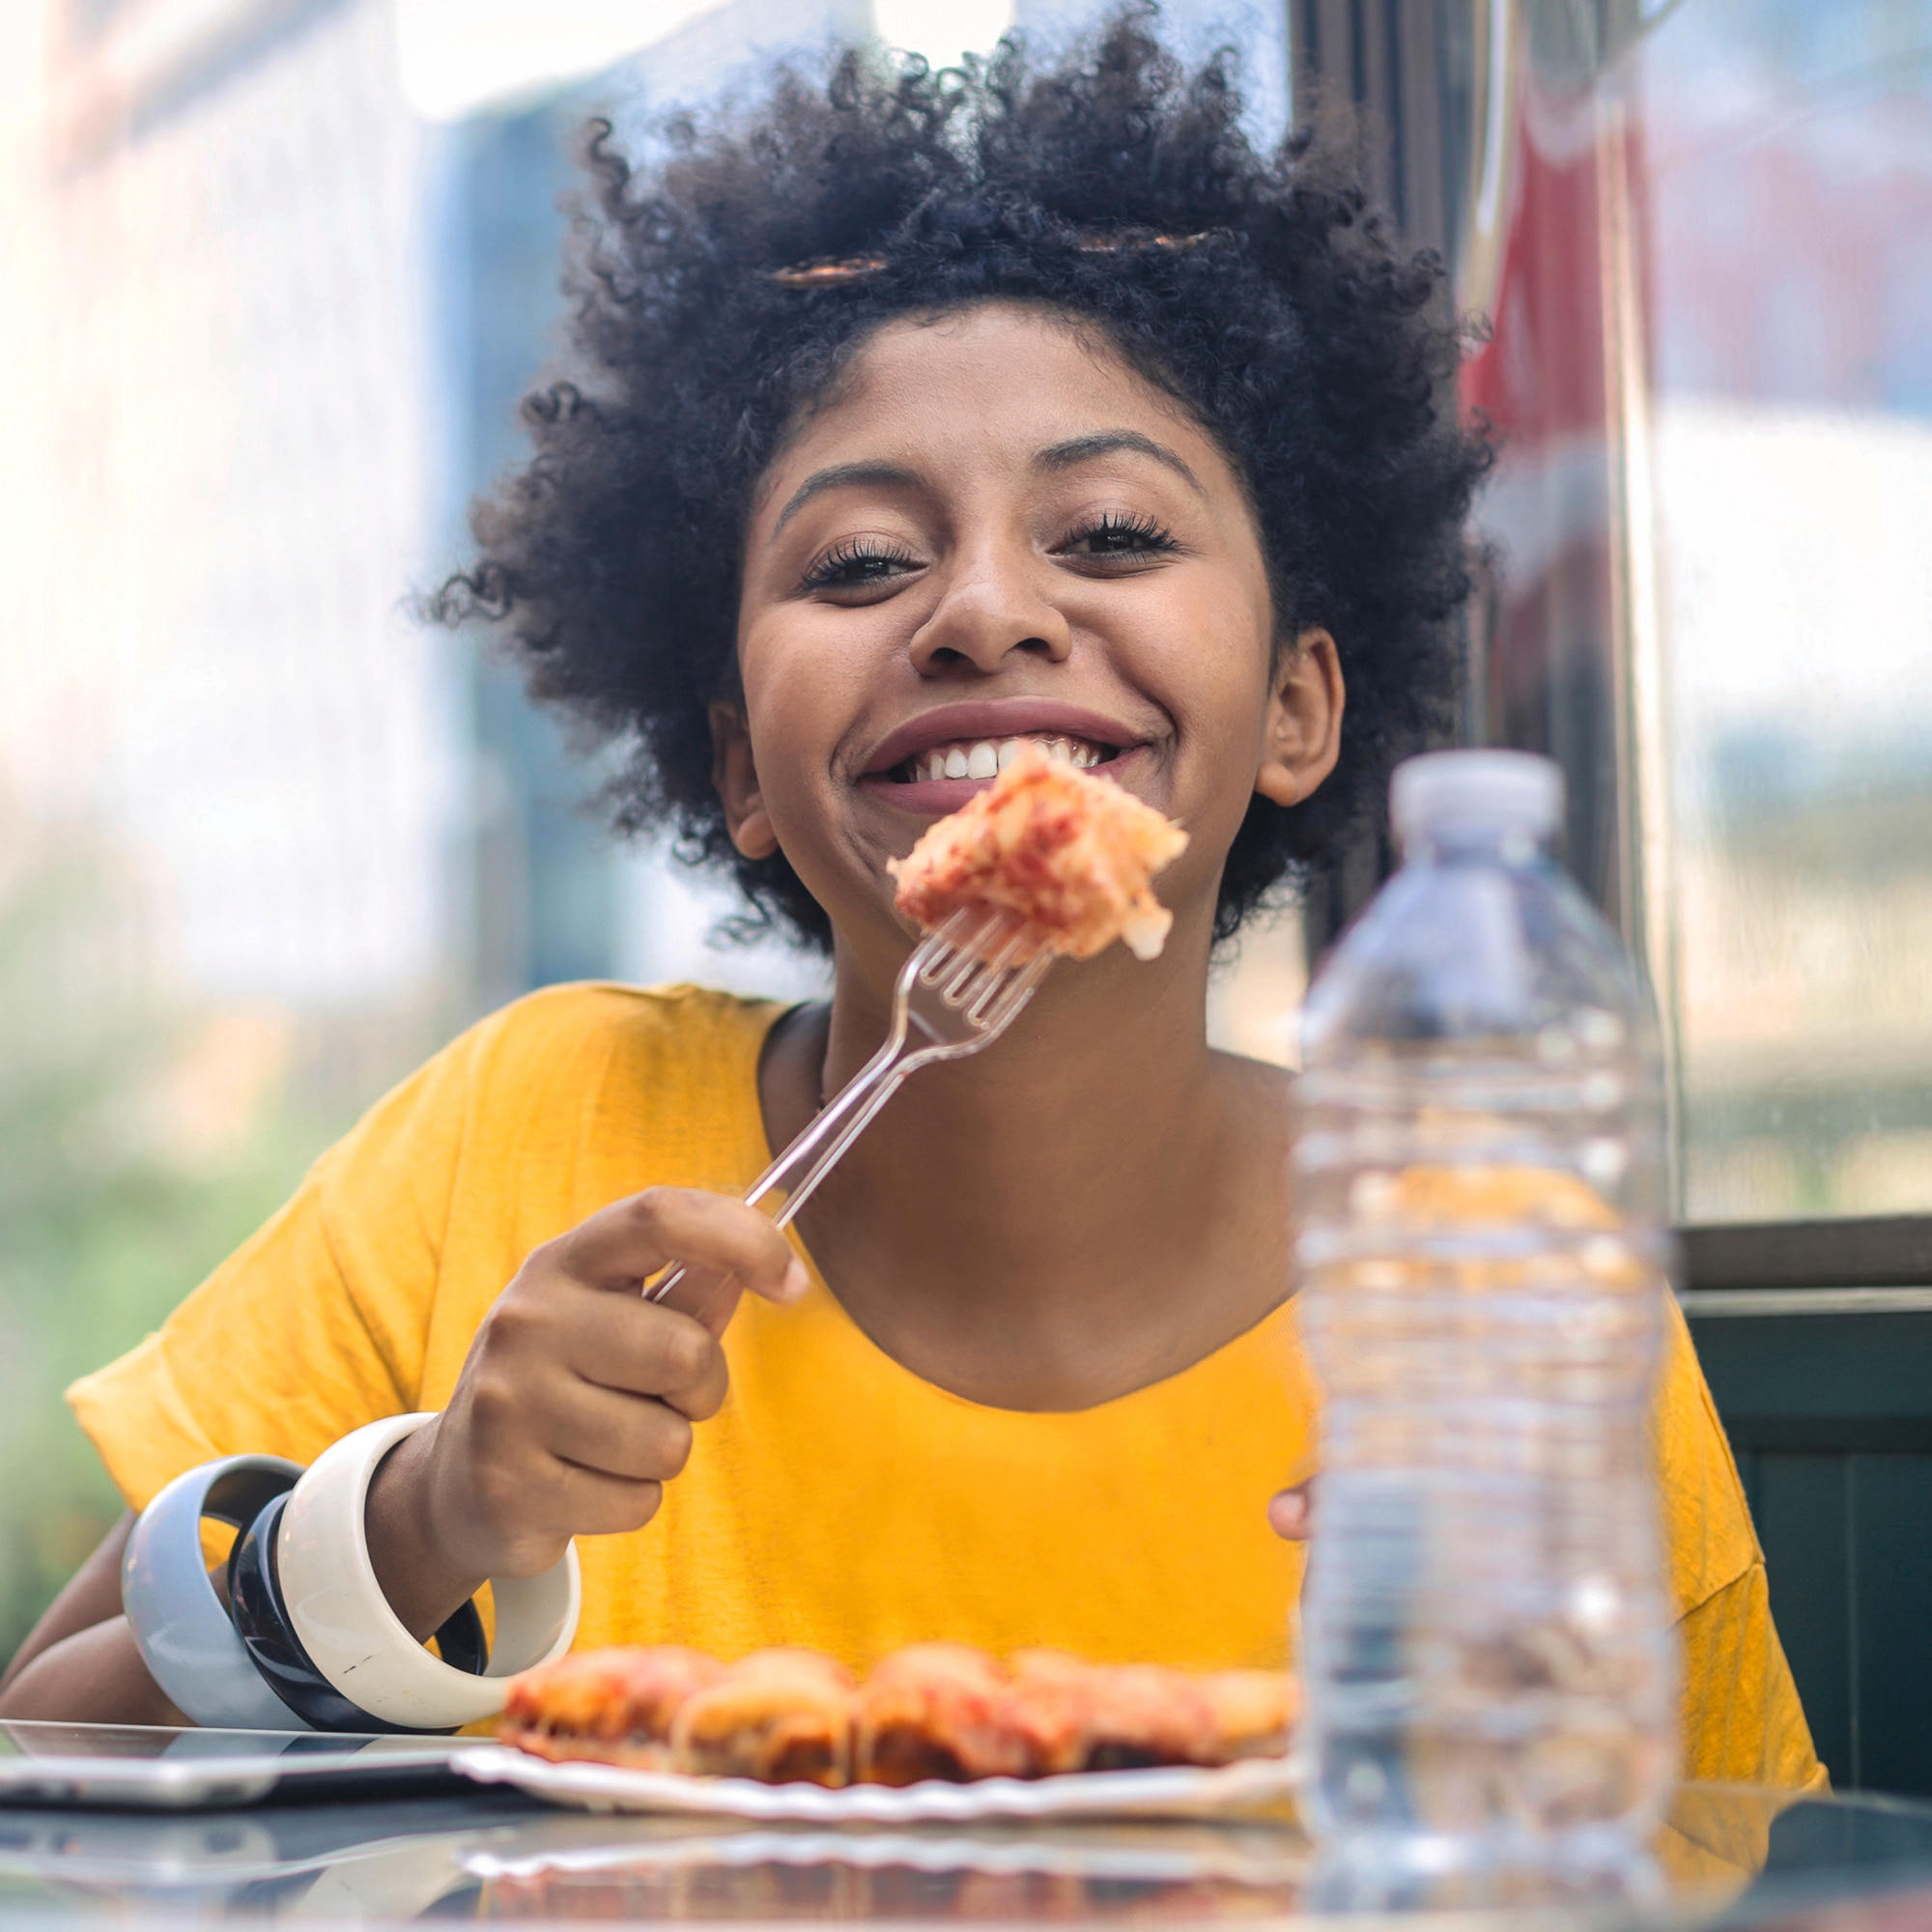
(996, 720)
(934, 798)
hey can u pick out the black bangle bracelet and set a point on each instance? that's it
(255, 1598)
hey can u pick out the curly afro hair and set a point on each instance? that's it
(1290, 324)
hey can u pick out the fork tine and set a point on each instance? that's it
(980, 1011)
(960, 986)
(1004, 957)
(996, 922)
(1016, 988)
(975, 998)
(997, 989)
(967, 969)
(936, 950)
(1020, 989)
(998, 931)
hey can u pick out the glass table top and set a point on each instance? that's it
(1731, 1857)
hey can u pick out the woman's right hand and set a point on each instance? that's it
(576, 1404)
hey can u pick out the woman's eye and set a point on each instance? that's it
(1124, 538)
(858, 566)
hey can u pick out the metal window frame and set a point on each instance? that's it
(1883, 1252)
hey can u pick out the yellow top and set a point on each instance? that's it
(836, 1500)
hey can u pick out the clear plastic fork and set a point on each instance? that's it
(960, 989)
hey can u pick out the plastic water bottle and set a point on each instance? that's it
(1488, 1649)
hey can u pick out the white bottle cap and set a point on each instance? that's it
(1513, 791)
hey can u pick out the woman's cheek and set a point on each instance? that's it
(1219, 697)
(799, 717)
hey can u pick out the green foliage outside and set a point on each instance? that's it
(102, 1227)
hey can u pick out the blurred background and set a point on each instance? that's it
(273, 273)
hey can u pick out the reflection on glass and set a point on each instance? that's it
(1789, 222)
(1701, 230)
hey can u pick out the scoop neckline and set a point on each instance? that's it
(822, 1291)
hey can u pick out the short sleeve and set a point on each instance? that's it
(318, 1323)
(1742, 1720)
(1743, 1723)
(1706, 1520)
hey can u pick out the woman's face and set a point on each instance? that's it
(997, 531)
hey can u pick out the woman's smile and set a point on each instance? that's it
(938, 760)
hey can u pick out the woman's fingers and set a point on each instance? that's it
(576, 1404)
(1292, 1513)
(646, 1348)
(628, 1437)
(621, 1246)
(598, 1504)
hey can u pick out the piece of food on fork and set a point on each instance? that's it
(1068, 855)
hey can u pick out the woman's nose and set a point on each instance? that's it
(991, 609)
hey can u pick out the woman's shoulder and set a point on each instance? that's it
(604, 1052)
(558, 1029)
(564, 1066)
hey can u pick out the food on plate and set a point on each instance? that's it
(930, 1711)
(938, 1710)
(1253, 1712)
(783, 1715)
(625, 1697)
(1144, 1714)
(1069, 854)
(1055, 1692)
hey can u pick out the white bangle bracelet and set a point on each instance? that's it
(345, 1623)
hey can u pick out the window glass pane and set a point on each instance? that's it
(1785, 193)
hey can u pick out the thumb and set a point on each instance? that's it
(710, 1298)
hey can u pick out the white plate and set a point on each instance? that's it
(1167, 1792)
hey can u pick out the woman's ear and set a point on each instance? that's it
(1304, 720)
(736, 778)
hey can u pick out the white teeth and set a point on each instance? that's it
(984, 758)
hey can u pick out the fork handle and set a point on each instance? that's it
(817, 1150)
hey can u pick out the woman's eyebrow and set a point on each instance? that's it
(1104, 442)
(873, 475)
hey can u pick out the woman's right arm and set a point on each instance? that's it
(574, 1409)
(80, 1663)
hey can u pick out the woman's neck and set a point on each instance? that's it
(1088, 1206)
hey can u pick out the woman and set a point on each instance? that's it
(913, 415)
